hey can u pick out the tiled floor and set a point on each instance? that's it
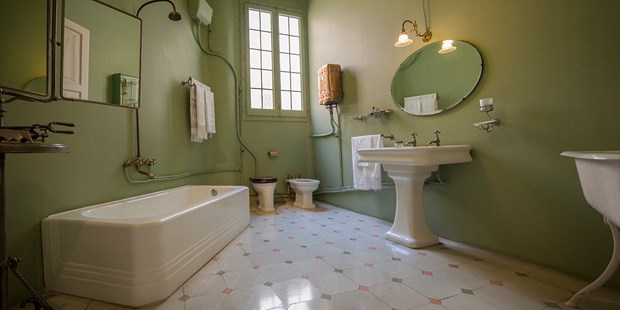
(334, 259)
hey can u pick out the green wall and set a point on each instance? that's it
(552, 71)
(43, 184)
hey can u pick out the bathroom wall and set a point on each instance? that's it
(551, 67)
(41, 184)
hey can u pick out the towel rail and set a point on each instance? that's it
(189, 82)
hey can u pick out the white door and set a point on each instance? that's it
(75, 61)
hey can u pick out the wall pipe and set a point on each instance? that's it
(178, 176)
(208, 51)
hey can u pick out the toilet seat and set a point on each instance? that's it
(264, 180)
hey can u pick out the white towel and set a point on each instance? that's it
(421, 105)
(202, 111)
(366, 176)
(210, 112)
(413, 105)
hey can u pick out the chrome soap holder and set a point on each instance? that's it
(374, 112)
(486, 105)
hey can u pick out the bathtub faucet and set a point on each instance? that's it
(139, 162)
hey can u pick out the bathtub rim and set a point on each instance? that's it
(78, 213)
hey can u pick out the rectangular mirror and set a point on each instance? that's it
(26, 53)
(101, 54)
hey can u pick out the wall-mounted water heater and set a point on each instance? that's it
(330, 84)
(200, 10)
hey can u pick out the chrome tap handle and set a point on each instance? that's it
(436, 141)
(413, 141)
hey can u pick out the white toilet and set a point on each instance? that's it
(303, 192)
(265, 186)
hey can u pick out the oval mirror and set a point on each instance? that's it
(101, 54)
(25, 56)
(429, 82)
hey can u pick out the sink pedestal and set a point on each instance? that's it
(410, 228)
(410, 167)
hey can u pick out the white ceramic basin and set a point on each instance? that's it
(599, 175)
(417, 156)
(409, 167)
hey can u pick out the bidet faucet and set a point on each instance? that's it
(413, 141)
(436, 141)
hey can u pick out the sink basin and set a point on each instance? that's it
(409, 167)
(418, 155)
(599, 175)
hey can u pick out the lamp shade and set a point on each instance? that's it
(403, 39)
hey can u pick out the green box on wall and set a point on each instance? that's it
(125, 89)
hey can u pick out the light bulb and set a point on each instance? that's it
(403, 39)
(447, 47)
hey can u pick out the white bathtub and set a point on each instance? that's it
(139, 250)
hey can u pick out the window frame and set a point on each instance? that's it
(276, 113)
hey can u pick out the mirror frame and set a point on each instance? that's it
(408, 61)
(61, 60)
(50, 69)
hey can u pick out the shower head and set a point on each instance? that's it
(174, 15)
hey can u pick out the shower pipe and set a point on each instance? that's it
(175, 16)
(210, 52)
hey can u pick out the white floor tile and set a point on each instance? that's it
(243, 278)
(213, 301)
(432, 287)
(359, 300)
(507, 299)
(295, 291)
(468, 302)
(279, 272)
(257, 298)
(398, 295)
(204, 284)
(367, 276)
(313, 267)
(343, 261)
(398, 269)
(539, 290)
(317, 304)
(333, 283)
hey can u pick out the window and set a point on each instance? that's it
(275, 63)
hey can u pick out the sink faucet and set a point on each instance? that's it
(413, 141)
(436, 141)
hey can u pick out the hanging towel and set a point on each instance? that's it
(210, 112)
(366, 176)
(202, 111)
(421, 105)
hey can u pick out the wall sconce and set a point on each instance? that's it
(447, 47)
(403, 38)
(486, 105)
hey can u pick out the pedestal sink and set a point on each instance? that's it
(409, 167)
(599, 175)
